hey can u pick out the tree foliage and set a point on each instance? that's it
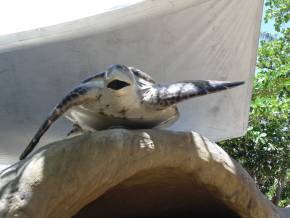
(265, 149)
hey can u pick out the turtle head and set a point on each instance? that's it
(119, 80)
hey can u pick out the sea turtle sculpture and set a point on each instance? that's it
(125, 97)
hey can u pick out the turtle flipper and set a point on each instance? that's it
(77, 96)
(164, 96)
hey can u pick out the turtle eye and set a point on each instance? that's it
(117, 84)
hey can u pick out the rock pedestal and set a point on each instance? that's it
(131, 173)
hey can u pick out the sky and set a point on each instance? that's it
(268, 27)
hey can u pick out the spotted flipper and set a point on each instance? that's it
(164, 96)
(77, 96)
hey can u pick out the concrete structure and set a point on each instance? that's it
(132, 173)
(171, 40)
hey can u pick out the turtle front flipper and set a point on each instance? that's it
(164, 96)
(79, 95)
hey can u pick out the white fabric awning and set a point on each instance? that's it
(172, 40)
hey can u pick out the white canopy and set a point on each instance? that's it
(172, 40)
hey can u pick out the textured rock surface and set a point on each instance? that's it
(141, 173)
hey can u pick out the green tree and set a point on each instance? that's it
(265, 149)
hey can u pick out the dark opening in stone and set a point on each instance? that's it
(165, 192)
